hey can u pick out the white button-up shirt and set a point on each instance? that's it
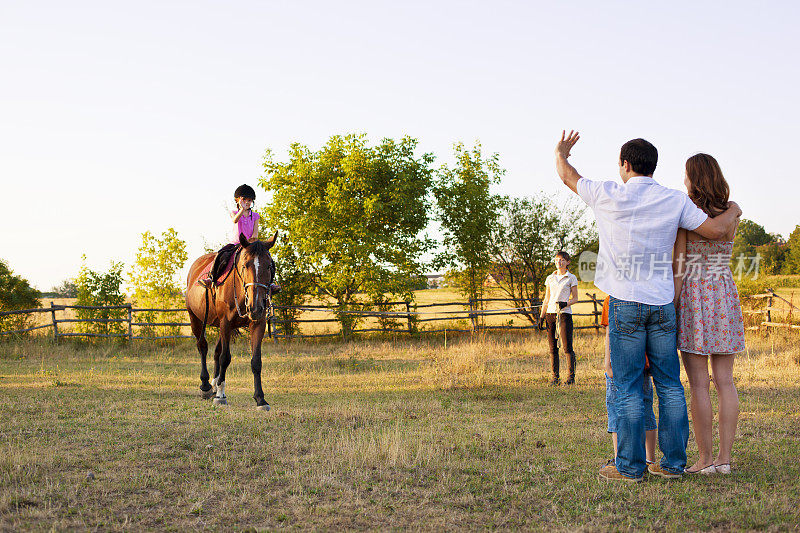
(560, 289)
(637, 222)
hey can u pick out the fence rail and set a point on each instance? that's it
(473, 311)
(767, 312)
(130, 321)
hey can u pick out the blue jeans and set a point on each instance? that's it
(611, 404)
(633, 329)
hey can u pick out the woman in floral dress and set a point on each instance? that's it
(710, 325)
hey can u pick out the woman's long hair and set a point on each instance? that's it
(709, 190)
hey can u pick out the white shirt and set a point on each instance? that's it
(637, 222)
(560, 287)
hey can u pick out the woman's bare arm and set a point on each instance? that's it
(545, 301)
(679, 263)
(573, 296)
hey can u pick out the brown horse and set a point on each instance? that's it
(242, 299)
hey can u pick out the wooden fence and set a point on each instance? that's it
(776, 306)
(129, 321)
(411, 315)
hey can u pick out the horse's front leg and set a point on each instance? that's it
(256, 335)
(224, 359)
(217, 353)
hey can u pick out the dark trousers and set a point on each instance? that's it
(566, 343)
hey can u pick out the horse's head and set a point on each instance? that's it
(257, 270)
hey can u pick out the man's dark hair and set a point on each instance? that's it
(641, 155)
(562, 253)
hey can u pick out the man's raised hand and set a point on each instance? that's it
(566, 143)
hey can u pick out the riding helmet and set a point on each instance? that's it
(244, 191)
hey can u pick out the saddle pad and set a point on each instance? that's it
(204, 273)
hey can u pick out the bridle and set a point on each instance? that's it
(270, 309)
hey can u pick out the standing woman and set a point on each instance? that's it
(561, 291)
(710, 324)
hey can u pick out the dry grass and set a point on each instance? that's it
(378, 434)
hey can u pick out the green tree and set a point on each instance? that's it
(527, 238)
(16, 293)
(155, 280)
(773, 257)
(752, 240)
(100, 289)
(468, 212)
(749, 235)
(67, 289)
(353, 215)
(792, 262)
(295, 285)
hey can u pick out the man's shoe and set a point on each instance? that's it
(610, 473)
(555, 382)
(656, 470)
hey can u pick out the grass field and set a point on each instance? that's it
(366, 435)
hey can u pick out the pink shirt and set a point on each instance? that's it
(246, 225)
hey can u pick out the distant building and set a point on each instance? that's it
(435, 281)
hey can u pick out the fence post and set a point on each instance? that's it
(55, 322)
(769, 306)
(472, 312)
(596, 322)
(408, 315)
(130, 322)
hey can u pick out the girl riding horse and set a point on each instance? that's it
(242, 298)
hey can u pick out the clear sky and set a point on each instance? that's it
(116, 118)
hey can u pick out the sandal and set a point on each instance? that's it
(710, 469)
(724, 468)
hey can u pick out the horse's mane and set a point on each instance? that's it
(258, 248)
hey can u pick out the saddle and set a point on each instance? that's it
(217, 271)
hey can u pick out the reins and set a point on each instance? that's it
(268, 288)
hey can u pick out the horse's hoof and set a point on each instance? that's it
(207, 394)
(264, 407)
(220, 401)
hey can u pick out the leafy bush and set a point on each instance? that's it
(748, 286)
(155, 280)
(295, 286)
(100, 289)
(16, 293)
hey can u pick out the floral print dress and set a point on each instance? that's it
(709, 313)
